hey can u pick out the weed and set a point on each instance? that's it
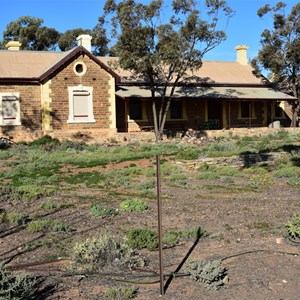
(261, 182)
(287, 171)
(293, 227)
(120, 293)
(133, 205)
(104, 251)
(49, 205)
(17, 218)
(188, 154)
(228, 227)
(294, 181)
(142, 238)
(18, 286)
(48, 225)
(98, 210)
(172, 238)
(259, 225)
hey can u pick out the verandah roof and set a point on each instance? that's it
(207, 92)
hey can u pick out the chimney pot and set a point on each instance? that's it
(241, 54)
(13, 45)
(84, 40)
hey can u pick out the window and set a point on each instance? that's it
(81, 105)
(135, 110)
(246, 110)
(176, 110)
(9, 109)
(79, 68)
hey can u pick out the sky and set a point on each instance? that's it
(244, 28)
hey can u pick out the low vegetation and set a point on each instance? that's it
(52, 189)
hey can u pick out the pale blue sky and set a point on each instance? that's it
(244, 28)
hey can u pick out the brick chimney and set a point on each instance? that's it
(13, 45)
(241, 54)
(84, 40)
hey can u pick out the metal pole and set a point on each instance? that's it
(159, 218)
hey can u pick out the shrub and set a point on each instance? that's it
(104, 251)
(120, 293)
(48, 225)
(133, 205)
(17, 218)
(260, 182)
(294, 181)
(172, 238)
(46, 139)
(98, 210)
(211, 273)
(49, 205)
(293, 227)
(142, 238)
(17, 286)
(188, 154)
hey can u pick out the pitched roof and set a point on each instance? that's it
(26, 64)
(37, 65)
(210, 72)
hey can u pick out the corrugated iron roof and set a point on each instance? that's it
(26, 64)
(209, 92)
(210, 72)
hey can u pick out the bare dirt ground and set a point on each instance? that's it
(246, 230)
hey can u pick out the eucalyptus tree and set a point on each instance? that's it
(31, 34)
(280, 51)
(162, 43)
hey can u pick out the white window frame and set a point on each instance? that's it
(77, 90)
(17, 120)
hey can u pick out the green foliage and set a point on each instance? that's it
(261, 182)
(121, 293)
(142, 238)
(88, 178)
(172, 238)
(293, 227)
(31, 34)
(49, 205)
(102, 211)
(17, 218)
(287, 171)
(45, 140)
(188, 154)
(278, 54)
(24, 192)
(18, 286)
(105, 252)
(48, 225)
(294, 181)
(211, 273)
(133, 205)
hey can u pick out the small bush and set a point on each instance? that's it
(294, 181)
(211, 273)
(17, 218)
(120, 293)
(142, 238)
(188, 154)
(102, 211)
(48, 225)
(17, 286)
(49, 205)
(46, 139)
(260, 182)
(133, 205)
(104, 251)
(293, 227)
